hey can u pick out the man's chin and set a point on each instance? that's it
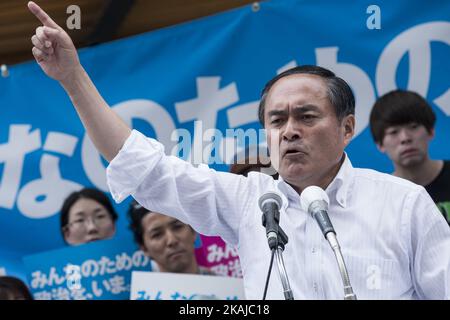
(292, 171)
(178, 268)
(411, 161)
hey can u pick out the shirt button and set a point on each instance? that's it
(313, 250)
(315, 287)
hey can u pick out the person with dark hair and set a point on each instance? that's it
(394, 239)
(338, 92)
(166, 240)
(12, 288)
(402, 125)
(87, 215)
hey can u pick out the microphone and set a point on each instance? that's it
(315, 201)
(270, 204)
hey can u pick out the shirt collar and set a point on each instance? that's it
(338, 189)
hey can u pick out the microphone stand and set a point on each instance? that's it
(282, 241)
(315, 201)
(348, 291)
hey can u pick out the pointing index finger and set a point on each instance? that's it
(41, 15)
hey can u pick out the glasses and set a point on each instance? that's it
(81, 224)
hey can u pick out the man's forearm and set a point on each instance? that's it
(106, 129)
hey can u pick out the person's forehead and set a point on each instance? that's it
(404, 123)
(85, 206)
(155, 220)
(395, 126)
(298, 85)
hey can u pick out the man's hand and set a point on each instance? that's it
(55, 53)
(52, 47)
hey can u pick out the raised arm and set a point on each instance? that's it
(57, 56)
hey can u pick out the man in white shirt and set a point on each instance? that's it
(395, 242)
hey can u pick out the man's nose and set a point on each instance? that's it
(405, 136)
(172, 239)
(291, 131)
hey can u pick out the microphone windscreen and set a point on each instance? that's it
(311, 194)
(270, 196)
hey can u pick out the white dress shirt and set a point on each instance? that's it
(395, 242)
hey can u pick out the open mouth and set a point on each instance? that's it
(293, 153)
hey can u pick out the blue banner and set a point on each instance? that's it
(98, 270)
(213, 70)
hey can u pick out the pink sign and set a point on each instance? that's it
(221, 258)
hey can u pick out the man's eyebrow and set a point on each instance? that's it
(298, 109)
(153, 229)
(276, 113)
(306, 108)
(175, 222)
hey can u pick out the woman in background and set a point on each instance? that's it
(87, 215)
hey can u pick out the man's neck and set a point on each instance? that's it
(422, 174)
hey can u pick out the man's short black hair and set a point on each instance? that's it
(339, 92)
(136, 213)
(399, 107)
(86, 193)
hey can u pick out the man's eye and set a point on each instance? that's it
(275, 121)
(392, 132)
(178, 226)
(156, 235)
(413, 125)
(308, 117)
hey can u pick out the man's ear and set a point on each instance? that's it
(194, 236)
(145, 251)
(348, 124)
(432, 133)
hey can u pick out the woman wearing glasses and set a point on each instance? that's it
(87, 215)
